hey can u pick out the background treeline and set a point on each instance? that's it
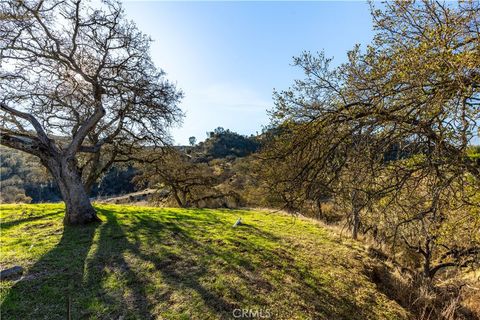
(216, 172)
(24, 179)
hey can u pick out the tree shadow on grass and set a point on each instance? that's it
(140, 296)
(9, 224)
(169, 265)
(189, 263)
(53, 280)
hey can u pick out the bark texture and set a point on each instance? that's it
(79, 209)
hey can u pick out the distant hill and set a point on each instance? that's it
(223, 143)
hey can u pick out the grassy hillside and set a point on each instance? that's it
(144, 263)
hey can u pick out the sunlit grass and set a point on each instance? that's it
(143, 263)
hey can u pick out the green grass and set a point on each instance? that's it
(153, 263)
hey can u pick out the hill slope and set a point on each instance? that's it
(144, 263)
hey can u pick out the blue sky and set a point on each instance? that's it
(228, 57)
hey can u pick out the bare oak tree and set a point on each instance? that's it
(180, 177)
(79, 90)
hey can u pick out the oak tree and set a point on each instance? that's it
(181, 177)
(413, 93)
(79, 90)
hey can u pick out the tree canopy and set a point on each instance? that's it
(400, 115)
(79, 90)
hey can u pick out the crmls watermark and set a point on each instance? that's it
(251, 313)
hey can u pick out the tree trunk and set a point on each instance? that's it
(355, 215)
(79, 210)
(177, 198)
(320, 211)
(356, 223)
(427, 256)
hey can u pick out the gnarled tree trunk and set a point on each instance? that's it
(79, 209)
